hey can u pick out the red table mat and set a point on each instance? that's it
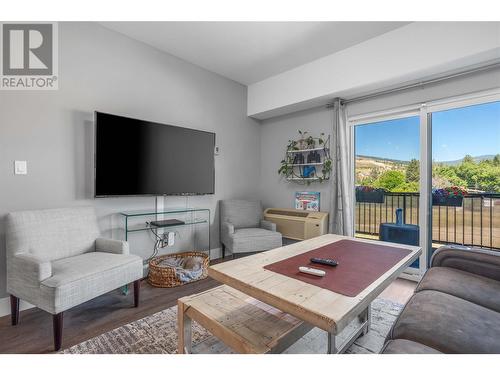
(360, 264)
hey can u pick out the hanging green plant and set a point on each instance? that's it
(311, 142)
(327, 168)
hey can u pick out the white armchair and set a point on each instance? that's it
(57, 260)
(243, 230)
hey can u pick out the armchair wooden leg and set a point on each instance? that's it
(14, 310)
(57, 320)
(137, 289)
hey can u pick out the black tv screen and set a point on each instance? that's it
(136, 157)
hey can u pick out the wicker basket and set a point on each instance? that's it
(165, 276)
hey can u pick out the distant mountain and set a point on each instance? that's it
(476, 159)
(382, 159)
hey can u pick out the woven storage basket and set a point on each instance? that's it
(165, 276)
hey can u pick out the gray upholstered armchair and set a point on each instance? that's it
(242, 229)
(57, 260)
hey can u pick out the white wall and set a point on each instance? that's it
(106, 71)
(409, 53)
(275, 191)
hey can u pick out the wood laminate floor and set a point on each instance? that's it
(112, 310)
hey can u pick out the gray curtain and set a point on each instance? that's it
(342, 189)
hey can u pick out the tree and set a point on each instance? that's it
(468, 159)
(390, 180)
(496, 160)
(375, 173)
(413, 171)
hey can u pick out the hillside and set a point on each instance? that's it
(476, 159)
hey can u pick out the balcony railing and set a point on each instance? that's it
(475, 223)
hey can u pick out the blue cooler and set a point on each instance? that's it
(406, 234)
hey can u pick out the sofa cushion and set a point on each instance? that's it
(448, 324)
(80, 278)
(477, 289)
(254, 239)
(407, 347)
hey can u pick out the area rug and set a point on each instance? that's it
(157, 334)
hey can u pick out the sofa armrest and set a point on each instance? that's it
(108, 245)
(265, 224)
(474, 260)
(227, 228)
(29, 268)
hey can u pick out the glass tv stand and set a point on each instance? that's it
(194, 222)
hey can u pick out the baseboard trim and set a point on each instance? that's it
(5, 306)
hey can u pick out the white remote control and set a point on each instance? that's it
(312, 271)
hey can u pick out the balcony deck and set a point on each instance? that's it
(475, 223)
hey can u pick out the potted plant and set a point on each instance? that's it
(311, 142)
(302, 142)
(369, 194)
(449, 196)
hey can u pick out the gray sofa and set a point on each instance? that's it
(242, 229)
(57, 260)
(455, 308)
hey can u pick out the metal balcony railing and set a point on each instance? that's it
(475, 223)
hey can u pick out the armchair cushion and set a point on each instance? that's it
(83, 277)
(477, 261)
(265, 224)
(108, 245)
(245, 240)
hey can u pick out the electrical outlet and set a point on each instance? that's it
(171, 238)
(168, 238)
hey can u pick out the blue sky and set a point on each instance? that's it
(473, 130)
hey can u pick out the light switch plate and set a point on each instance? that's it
(20, 167)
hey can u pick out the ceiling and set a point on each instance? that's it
(248, 52)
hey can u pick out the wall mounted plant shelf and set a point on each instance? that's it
(307, 159)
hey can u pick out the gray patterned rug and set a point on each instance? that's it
(157, 334)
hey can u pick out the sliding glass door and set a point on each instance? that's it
(429, 175)
(466, 176)
(387, 179)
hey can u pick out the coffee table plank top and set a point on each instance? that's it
(323, 308)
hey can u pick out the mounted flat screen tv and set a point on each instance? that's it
(137, 157)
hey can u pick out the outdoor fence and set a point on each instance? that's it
(475, 223)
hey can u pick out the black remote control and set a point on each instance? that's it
(327, 262)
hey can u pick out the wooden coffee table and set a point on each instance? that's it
(319, 307)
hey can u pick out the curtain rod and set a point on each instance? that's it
(417, 84)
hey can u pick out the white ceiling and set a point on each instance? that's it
(248, 52)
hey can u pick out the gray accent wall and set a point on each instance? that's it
(102, 70)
